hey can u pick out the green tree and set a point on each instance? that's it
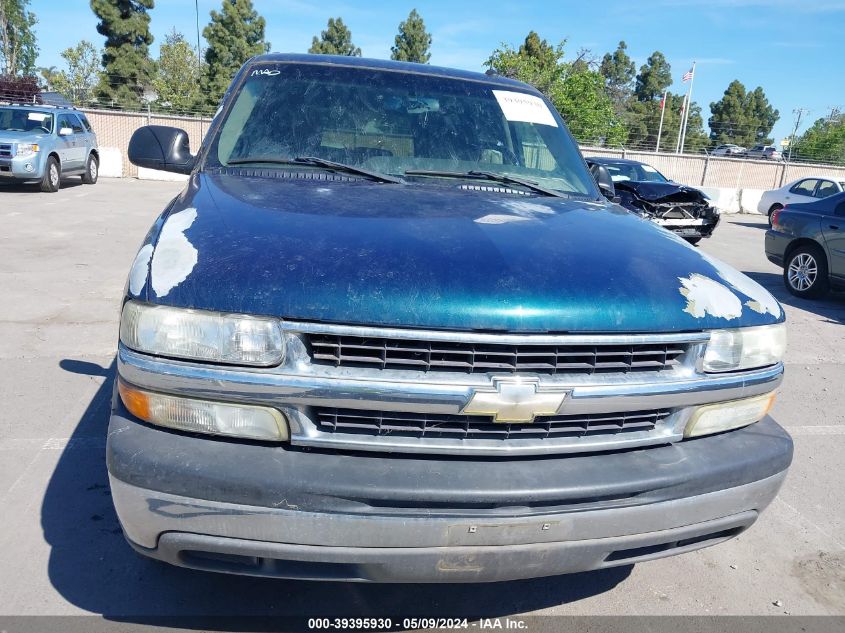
(654, 78)
(535, 62)
(335, 40)
(823, 142)
(48, 76)
(413, 42)
(128, 69)
(82, 75)
(742, 117)
(234, 35)
(576, 91)
(18, 48)
(177, 79)
(618, 71)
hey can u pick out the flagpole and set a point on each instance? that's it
(689, 107)
(660, 127)
(681, 125)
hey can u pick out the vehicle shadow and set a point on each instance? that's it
(832, 307)
(94, 569)
(67, 183)
(752, 222)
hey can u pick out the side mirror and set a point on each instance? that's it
(65, 131)
(161, 147)
(604, 181)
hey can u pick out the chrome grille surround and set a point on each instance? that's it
(301, 389)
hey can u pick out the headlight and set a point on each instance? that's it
(204, 416)
(235, 339)
(724, 416)
(745, 348)
(26, 149)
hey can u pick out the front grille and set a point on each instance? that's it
(6, 150)
(407, 354)
(470, 427)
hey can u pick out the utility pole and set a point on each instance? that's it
(798, 112)
(199, 58)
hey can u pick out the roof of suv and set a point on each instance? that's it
(383, 64)
(37, 107)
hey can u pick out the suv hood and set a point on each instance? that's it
(434, 256)
(7, 136)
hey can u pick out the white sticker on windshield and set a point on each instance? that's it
(518, 106)
(649, 169)
(36, 116)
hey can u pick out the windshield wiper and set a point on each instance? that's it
(488, 175)
(313, 161)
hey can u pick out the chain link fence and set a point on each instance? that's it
(716, 171)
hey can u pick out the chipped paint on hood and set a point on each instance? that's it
(706, 296)
(418, 256)
(759, 299)
(175, 256)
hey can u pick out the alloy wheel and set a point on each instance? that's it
(803, 271)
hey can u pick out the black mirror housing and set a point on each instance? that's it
(604, 181)
(161, 147)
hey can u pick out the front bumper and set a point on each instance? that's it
(267, 510)
(21, 167)
(697, 228)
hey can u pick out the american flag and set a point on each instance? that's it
(687, 75)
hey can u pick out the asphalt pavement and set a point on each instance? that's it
(64, 258)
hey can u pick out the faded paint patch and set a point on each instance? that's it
(707, 296)
(760, 299)
(140, 268)
(524, 207)
(500, 219)
(174, 257)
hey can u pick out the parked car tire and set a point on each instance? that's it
(805, 272)
(774, 207)
(92, 170)
(52, 179)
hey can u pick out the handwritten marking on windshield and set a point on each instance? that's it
(265, 71)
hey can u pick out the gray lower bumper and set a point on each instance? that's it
(289, 543)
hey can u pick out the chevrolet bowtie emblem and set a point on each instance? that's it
(515, 400)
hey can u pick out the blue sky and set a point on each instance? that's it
(791, 49)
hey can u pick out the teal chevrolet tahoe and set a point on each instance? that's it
(392, 331)
(43, 144)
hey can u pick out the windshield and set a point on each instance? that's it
(637, 172)
(397, 122)
(27, 121)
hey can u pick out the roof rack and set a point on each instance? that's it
(28, 104)
(40, 100)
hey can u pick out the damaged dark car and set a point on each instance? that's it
(640, 188)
